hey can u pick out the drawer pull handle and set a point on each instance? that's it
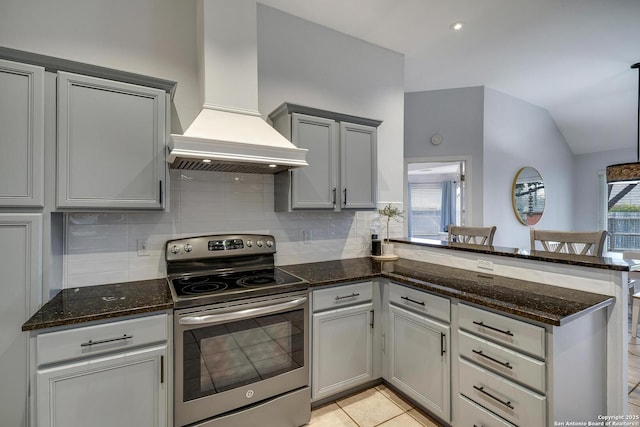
(507, 404)
(493, 329)
(505, 364)
(91, 342)
(338, 298)
(413, 301)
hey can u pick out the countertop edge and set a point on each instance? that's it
(27, 327)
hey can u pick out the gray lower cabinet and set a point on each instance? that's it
(107, 375)
(342, 171)
(21, 284)
(514, 372)
(342, 347)
(418, 357)
(22, 140)
(111, 144)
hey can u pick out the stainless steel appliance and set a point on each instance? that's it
(241, 330)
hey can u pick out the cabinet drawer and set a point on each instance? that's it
(504, 398)
(508, 363)
(93, 340)
(514, 333)
(339, 296)
(422, 302)
(473, 415)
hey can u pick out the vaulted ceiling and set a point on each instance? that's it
(571, 57)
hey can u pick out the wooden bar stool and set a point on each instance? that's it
(635, 311)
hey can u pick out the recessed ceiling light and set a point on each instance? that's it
(456, 26)
(273, 166)
(206, 160)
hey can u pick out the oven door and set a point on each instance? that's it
(228, 356)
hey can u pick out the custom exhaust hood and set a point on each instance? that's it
(229, 134)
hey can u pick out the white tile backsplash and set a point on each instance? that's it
(102, 247)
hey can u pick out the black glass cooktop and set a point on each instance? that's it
(191, 286)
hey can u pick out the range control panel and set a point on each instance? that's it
(219, 246)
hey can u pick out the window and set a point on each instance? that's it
(434, 198)
(424, 212)
(623, 216)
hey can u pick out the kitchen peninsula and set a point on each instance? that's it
(605, 276)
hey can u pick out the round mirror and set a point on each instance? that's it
(528, 196)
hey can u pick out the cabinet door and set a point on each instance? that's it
(22, 140)
(20, 287)
(111, 144)
(315, 186)
(127, 389)
(419, 360)
(359, 166)
(342, 350)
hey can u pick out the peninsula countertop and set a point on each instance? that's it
(609, 260)
(547, 304)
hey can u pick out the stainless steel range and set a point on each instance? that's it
(241, 330)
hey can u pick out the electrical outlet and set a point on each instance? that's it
(143, 247)
(485, 265)
(306, 236)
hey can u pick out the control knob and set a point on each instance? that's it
(269, 243)
(259, 243)
(175, 249)
(249, 243)
(188, 247)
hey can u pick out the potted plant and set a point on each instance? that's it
(391, 212)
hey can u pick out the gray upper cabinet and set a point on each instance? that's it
(358, 173)
(342, 157)
(111, 144)
(22, 140)
(315, 186)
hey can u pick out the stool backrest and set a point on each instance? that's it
(472, 235)
(588, 243)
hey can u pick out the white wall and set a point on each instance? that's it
(151, 37)
(501, 134)
(518, 134)
(457, 115)
(307, 64)
(329, 70)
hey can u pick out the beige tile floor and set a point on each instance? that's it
(380, 406)
(377, 406)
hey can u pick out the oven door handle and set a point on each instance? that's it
(211, 319)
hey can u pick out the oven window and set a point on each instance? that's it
(222, 357)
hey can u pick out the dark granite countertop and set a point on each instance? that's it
(604, 262)
(547, 304)
(84, 304)
(543, 303)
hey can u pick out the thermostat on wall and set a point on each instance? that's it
(436, 139)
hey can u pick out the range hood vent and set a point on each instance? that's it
(229, 134)
(198, 165)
